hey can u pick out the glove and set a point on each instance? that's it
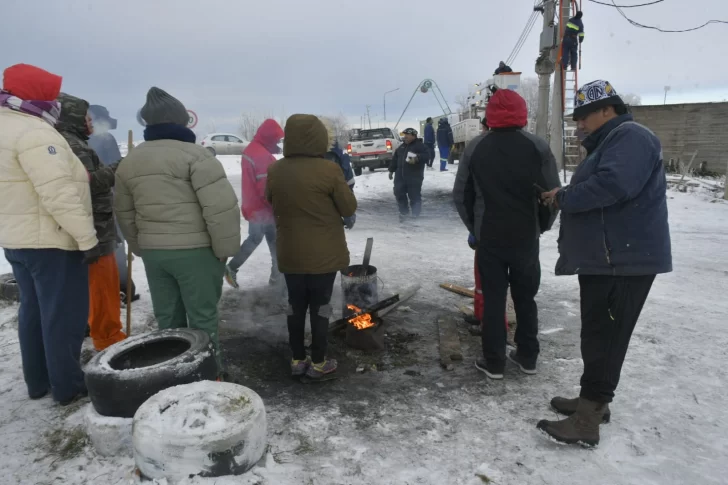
(391, 175)
(350, 221)
(472, 242)
(92, 255)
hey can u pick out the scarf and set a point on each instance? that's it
(49, 111)
(169, 131)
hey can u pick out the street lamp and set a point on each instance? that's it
(385, 103)
(667, 88)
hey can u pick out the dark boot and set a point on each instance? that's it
(582, 427)
(567, 407)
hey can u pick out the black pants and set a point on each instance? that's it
(408, 192)
(610, 307)
(431, 151)
(309, 292)
(521, 268)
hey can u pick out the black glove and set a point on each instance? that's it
(472, 242)
(391, 175)
(350, 221)
(92, 255)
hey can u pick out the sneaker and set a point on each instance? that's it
(527, 366)
(231, 277)
(317, 371)
(493, 369)
(299, 367)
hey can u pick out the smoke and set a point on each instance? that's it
(101, 126)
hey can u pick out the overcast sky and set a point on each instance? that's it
(224, 57)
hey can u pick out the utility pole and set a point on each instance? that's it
(557, 105)
(369, 117)
(545, 66)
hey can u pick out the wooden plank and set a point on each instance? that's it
(458, 290)
(367, 256)
(450, 350)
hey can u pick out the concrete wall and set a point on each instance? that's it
(684, 128)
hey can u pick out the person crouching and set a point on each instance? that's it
(309, 197)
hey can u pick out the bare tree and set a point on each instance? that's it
(341, 127)
(632, 99)
(461, 101)
(251, 121)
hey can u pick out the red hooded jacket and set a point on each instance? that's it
(506, 109)
(257, 157)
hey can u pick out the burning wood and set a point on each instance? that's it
(362, 321)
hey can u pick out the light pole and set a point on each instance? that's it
(385, 103)
(667, 88)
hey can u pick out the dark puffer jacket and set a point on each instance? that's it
(72, 125)
(409, 172)
(614, 211)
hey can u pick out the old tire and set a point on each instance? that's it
(212, 150)
(206, 429)
(9, 289)
(357, 171)
(120, 378)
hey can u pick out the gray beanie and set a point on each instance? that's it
(161, 107)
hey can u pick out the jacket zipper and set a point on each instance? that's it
(604, 238)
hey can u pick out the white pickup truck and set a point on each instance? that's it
(372, 148)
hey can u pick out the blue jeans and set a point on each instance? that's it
(52, 320)
(570, 53)
(256, 233)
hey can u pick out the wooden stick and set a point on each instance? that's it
(458, 290)
(403, 296)
(367, 256)
(129, 259)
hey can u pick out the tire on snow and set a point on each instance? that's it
(120, 378)
(206, 429)
(9, 289)
(358, 171)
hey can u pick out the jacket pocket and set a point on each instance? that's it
(607, 246)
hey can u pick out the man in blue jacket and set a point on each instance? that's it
(573, 36)
(615, 237)
(430, 141)
(444, 142)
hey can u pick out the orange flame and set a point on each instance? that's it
(362, 321)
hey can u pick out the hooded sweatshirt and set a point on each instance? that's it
(257, 158)
(309, 197)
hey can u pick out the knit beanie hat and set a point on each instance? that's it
(161, 107)
(594, 96)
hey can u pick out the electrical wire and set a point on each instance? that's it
(522, 39)
(651, 27)
(627, 6)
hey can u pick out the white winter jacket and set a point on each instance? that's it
(45, 201)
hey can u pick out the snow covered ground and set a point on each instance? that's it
(410, 422)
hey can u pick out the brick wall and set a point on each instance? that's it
(684, 128)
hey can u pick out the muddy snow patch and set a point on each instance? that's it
(110, 436)
(206, 429)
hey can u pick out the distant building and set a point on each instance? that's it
(684, 128)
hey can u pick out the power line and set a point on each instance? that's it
(627, 6)
(650, 27)
(522, 39)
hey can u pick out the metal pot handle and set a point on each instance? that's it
(382, 282)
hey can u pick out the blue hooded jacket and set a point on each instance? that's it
(429, 134)
(444, 133)
(614, 211)
(342, 159)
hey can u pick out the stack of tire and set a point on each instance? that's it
(131, 378)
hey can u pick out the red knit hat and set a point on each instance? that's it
(31, 83)
(506, 109)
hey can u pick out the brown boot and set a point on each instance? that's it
(567, 407)
(581, 427)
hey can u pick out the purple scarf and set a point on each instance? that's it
(49, 111)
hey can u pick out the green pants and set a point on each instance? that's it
(186, 286)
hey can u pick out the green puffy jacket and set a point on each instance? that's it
(175, 195)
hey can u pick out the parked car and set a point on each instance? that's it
(224, 144)
(372, 148)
